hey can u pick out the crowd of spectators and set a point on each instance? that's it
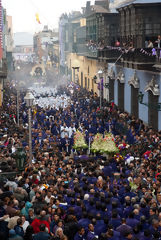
(68, 195)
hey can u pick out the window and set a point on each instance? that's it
(157, 26)
(148, 26)
(75, 37)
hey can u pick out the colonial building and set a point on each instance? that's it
(9, 43)
(44, 42)
(3, 48)
(78, 67)
(23, 53)
(62, 43)
(138, 68)
(125, 45)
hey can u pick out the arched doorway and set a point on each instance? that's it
(38, 71)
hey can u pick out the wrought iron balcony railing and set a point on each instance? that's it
(91, 52)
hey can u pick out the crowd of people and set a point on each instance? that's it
(47, 97)
(68, 195)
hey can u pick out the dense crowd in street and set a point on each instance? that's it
(69, 195)
(48, 97)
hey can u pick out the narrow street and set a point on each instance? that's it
(80, 120)
(65, 173)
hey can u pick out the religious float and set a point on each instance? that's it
(104, 144)
(101, 144)
(79, 141)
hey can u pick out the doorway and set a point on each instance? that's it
(152, 110)
(134, 101)
(111, 90)
(121, 96)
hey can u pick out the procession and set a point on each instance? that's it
(80, 120)
(46, 97)
(78, 186)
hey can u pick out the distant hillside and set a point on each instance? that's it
(23, 38)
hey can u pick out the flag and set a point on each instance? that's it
(37, 18)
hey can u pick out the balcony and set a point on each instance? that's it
(3, 68)
(91, 52)
(149, 58)
(140, 56)
(110, 54)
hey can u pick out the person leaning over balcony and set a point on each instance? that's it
(150, 44)
(117, 43)
(158, 41)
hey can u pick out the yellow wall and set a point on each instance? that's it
(83, 63)
(83, 22)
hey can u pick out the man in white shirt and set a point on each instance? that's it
(64, 130)
(71, 130)
(48, 197)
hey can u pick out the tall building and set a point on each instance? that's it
(46, 46)
(9, 43)
(23, 47)
(3, 62)
(63, 36)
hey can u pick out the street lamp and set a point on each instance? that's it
(29, 99)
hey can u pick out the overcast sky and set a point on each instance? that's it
(23, 12)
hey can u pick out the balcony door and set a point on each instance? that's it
(111, 90)
(152, 110)
(134, 101)
(121, 96)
